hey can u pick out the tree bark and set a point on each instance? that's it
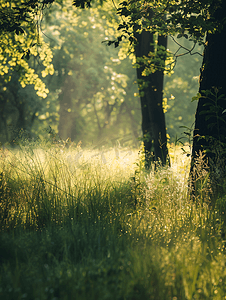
(153, 118)
(209, 135)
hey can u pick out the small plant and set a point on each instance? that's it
(214, 144)
(138, 180)
(199, 181)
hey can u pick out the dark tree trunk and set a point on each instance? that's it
(151, 96)
(210, 124)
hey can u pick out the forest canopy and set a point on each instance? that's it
(30, 53)
(47, 37)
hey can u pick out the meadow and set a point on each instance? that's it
(93, 224)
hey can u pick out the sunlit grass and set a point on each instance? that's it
(93, 224)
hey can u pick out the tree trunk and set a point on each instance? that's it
(66, 122)
(151, 96)
(209, 135)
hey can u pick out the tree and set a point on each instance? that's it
(90, 84)
(194, 20)
(19, 40)
(150, 81)
(153, 125)
(97, 103)
(18, 110)
(151, 96)
(24, 60)
(210, 130)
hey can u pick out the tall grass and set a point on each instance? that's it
(82, 224)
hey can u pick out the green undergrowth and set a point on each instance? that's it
(92, 224)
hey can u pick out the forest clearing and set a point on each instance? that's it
(94, 224)
(112, 150)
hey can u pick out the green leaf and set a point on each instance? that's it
(196, 98)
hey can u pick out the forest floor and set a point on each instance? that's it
(93, 224)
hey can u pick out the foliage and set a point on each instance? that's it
(213, 112)
(18, 109)
(23, 58)
(17, 14)
(181, 83)
(188, 19)
(213, 146)
(103, 90)
(91, 86)
(19, 41)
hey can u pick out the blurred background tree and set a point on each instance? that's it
(93, 89)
